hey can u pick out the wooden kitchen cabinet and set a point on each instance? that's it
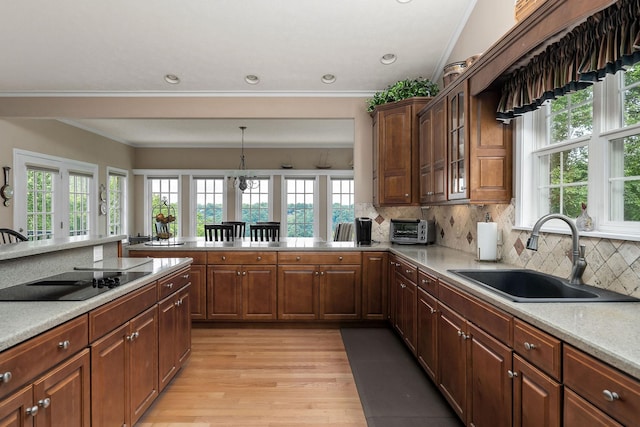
(124, 371)
(405, 289)
(433, 153)
(395, 153)
(427, 342)
(457, 142)
(242, 286)
(374, 285)
(59, 398)
(580, 413)
(174, 334)
(198, 276)
(537, 398)
(320, 285)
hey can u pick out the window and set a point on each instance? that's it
(255, 202)
(300, 199)
(55, 197)
(40, 196)
(342, 201)
(79, 210)
(209, 199)
(116, 201)
(161, 190)
(584, 148)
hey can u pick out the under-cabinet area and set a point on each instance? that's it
(104, 367)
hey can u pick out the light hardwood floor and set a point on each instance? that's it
(261, 377)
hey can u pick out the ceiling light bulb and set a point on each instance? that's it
(388, 58)
(403, 1)
(328, 79)
(172, 79)
(252, 79)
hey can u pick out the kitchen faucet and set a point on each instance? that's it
(579, 263)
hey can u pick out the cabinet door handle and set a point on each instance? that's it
(463, 335)
(406, 194)
(238, 273)
(33, 411)
(529, 346)
(64, 344)
(185, 276)
(244, 273)
(610, 396)
(432, 310)
(512, 374)
(168, 285)
(297, 258)
(224, 258)
(259, 258)
(133, 336)
(317, 273)
(6, 377)
(44, 403)
(340, 258)
(407, 271)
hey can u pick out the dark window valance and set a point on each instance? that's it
(605, 43)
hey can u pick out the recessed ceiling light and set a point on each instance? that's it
(252, 79)
(172, 79)
(403, 1)
(388, 58)
(328, 79)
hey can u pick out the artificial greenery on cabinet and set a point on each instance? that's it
(403, 89)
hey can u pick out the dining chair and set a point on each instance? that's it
(8, 235)
(264, 232)
(238, 227)
(218, 232)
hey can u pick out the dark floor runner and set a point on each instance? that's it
(393, 389)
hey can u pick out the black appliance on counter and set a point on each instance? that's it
(69, 286)
(363, 231)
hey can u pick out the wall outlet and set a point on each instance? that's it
(98, 253)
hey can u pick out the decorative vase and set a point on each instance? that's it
(584, 222)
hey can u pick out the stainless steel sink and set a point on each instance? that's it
(521, 285)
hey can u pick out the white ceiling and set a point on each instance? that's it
(101, 48)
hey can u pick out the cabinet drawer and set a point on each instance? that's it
(241, 257)
(111, 315)
(494, 321)
(615, 393)
(31, 358)
(199, 257)
(334, 258)
(407, 270)
(428, 282)
(538, 348)
(170, 284)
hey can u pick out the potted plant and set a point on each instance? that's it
(403, 89)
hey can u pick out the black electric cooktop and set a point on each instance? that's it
(70, 286)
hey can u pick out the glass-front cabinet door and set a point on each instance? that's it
(457, 143)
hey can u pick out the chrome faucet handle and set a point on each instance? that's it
(583, 249)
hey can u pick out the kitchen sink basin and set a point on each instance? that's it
(521, 285)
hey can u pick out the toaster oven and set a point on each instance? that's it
(412, 231)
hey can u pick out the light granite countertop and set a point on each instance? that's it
(609, 331)
(39, 247)
(20, 321)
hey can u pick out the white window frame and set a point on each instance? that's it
(194, 198)
(239, 198)
(330, 179)
(124, 206)
(147, 201)
(607, 115)
(23, 159)
(316, 201)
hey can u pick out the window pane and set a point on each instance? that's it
(209, 207)
(571, 116)
(631, 96)
(255, 203)
(567, 187)
(300, 209)
(625, 179)
(117, 185)
(40, 194)
(165, 189)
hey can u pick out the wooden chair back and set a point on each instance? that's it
(218, 232)
(238, 227)
(265, 232)
(8, 235)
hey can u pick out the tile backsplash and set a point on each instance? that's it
(611, 264)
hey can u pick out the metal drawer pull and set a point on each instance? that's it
(432, 311)
(463, 335)
(32, 411)
(259, 258)
(528, 346)
(224, 258)
(339, 258)
(64, 344)
(185, 276)
(6, 377)
(44, 403)
(168, 285)
(408, 271)
(297, 258)
(610, 396)
(133, 336)
(512, 374)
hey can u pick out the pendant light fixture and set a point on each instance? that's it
(242, 181)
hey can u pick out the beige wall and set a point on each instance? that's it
(57, 139)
